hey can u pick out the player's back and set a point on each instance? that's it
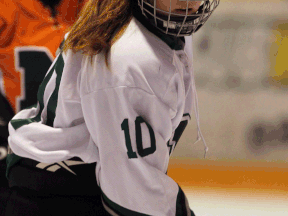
(139, 60)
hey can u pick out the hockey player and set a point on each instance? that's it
(120, 94)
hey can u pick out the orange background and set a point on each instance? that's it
(242, 175)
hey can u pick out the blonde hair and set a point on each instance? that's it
(100, 24)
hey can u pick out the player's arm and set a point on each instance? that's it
(49, 145)
(131, 128)
(29, 137)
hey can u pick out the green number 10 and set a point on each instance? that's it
(141, 151)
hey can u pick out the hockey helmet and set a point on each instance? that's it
(174, 23)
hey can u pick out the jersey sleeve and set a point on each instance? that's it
(31, 137)
(131, 128)
(47, 144)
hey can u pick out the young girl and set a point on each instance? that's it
(120, 94)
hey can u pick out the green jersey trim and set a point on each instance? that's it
(12, 159)
(115, 209)
(52, 104)
(182, 206)
(17, 123)
(187, 114)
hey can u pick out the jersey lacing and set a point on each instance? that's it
(195, 105)
(196, 111)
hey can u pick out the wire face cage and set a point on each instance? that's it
(174, 23)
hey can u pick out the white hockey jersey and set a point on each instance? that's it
(127, 120)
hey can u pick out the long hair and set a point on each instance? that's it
(100, 24)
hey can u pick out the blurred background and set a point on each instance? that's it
(241, 73)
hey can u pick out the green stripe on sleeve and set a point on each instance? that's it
(43, 85)
(52, 104)
(12, 159)
(17, 123)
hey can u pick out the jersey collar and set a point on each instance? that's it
(175, 43)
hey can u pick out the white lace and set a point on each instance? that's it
(196, 111)
(195, 106)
